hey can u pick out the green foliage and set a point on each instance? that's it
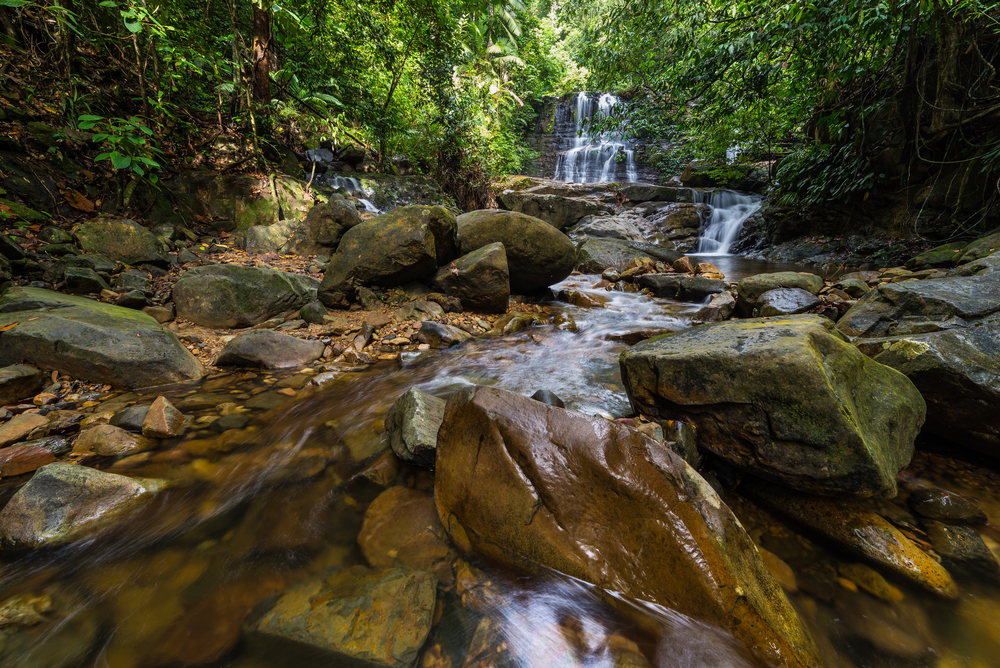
(128, 142)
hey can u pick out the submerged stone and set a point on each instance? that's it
(529, 484)
(784, 398)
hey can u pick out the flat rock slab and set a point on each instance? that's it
(560, 212)
(360, 616)
(19, 381)
(90, 340)
(861, 531)
(233, 296)
(64, 502)
(527, 484)
(269, 350)
(412, 425)
(784, 398)
(785, 301)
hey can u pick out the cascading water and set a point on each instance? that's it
(587, 158)
(729, 211)
(351, 185)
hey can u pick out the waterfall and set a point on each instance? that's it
(587, 158)
(729, 211)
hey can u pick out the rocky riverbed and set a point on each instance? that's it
(493, 439)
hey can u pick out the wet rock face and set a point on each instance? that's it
(91, 340)
(64, 502)
(437, 335)
(268, 349)
(751, 288)
(785, 301)
(412, 425)
(480, 279)
(407, 244)
(234, 296)
(538, 255)
(682, 287)
(784, 398)
(595, 255)
(523, 482)
(360, 616)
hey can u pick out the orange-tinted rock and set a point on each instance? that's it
(683, 265)
(23, 459)
(162, 420)
(709, 270)
(401, 528)
(526, 483)
(18, 427)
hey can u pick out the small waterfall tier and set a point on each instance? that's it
(729, 211)
(586, 158)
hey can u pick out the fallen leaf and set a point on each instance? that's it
(8, 327)
(78, 201)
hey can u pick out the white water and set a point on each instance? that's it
(594, 158)
(729, 211)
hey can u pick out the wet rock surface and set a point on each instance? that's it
(412, 425)
(784, 398)
(268, 349)
(521, 499)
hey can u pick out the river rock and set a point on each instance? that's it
(81, 281)
(981, 248)
(784, 398)
(947, 255)
(268, 349)
(751, 288)
(406, 244)
(642, 192)
(120, 239)
(401, 529)
(162, 420)
(412, 425)
(525, 483)
(480, 279)
(64, 502)
(785, 301)
(25, 458)
(538, 255)
(682, 287)
(18, 381)
(324, 226)
(437, 335)
(548, 397)
(624, 227)
(359, 616)
(963, 550)
(861, 531)
(109, 441)
(938, 504)
(130, 418)
(720, 307)
(595, 255)
(220, 295)
(92, 341)
(560, 212)
(418, 310)
(17, 428)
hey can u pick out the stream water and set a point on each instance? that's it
(257, 509)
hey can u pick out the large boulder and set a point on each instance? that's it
(560, 212)
(538, 255)
(359, 616)
(625, 227)
(226, 295)
(529, 484)
(64, 502)
(324, 226)
(784, 398)
(268, 349)
(751, 288)
(404, 245)
(643, 192)
(120, 239)
(595, 255)
(91, 340)
(682, 287)
(785, 301)
(480, 279)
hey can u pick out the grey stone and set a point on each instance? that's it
(269, 349)
(785, 301)
(83, 281)
(751, 288)
(234, 296)
(480, 279)
(130, 418)
(120, 239)
(412, 425)
(418, 310)
(437, 335)
(682, 287)
(560, 212)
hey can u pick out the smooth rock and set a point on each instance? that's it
(418, 310)
(593, 256)
(17, 428)
(946, 255)
(785, 301)
(81, 281)
(719, 308)
(92, 341)
(961, 549)
(412, 425)
(938, 504)
(360, 616)
(268, 349)
(980, 248)
(682, 287)
(233, 296)
(130, 418)
(560, 212)
(751, 288)
(109, 441)
(437, 335)
(19, 382)
(784, 398)
(26, 458)
(548, 397)
(538, 255)
(162, 420)
(120, 239)
(324, 226)
(480, 279)
(524, 483)
(313, 312)
(863, 532)
(162, 314)
(64, 502)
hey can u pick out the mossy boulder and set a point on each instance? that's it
(981, 247)
(120, 239)
(324, 226)
(532, 485)
(947, 255)
(233, 296)
(404, 245)
(480, 279)
(560, 212)
(538, 255)
(785, 398)
(90, 340)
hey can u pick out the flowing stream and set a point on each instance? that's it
(729, 211)
(282, 500)
(589, 158)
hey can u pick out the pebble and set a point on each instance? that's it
(44, 399)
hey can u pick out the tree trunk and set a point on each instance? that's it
(262, 49)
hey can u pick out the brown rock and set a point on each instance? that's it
(162, 420)
(683, 265)
(109, 441)
(401, 528)
(19, 427)
(44, 399)
(23, 459)
(709, 270)
(526, 483)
